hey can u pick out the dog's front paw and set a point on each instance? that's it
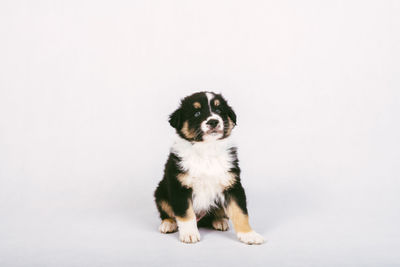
(221, 224)
(189, 237)
(250, 238)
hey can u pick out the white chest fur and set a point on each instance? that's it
(207, 166)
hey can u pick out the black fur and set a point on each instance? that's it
(171, 190)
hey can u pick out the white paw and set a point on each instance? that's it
(168, 226)
(221, 224)
(250, 238)
(189, 237)
(188, 232)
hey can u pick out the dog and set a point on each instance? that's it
(201, 184)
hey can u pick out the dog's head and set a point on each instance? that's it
(203, 116)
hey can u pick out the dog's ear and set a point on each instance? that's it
(231, 114)
(176, 118)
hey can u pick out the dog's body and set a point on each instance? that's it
(202, 177)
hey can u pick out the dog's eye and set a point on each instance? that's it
(218, 111)
(197, 114)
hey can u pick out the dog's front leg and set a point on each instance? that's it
(181, 202)
(187, 225)
(237, 211)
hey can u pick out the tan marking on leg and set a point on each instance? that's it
(216, 102)
(220, 213)
(188, 133)
(170, 220)
(196, 105)
(167, 208)
(190, 215)
(239, 219)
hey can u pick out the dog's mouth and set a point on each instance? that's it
(214, 132)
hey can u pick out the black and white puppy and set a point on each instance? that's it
(201, 183)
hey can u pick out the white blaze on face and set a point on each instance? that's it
(205, 127)
(209, 97)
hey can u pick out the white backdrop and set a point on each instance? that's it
(85, 91)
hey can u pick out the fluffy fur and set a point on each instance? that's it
(201, 184)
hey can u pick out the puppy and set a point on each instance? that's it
(201, 183)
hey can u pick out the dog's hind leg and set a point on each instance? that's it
(168, 222)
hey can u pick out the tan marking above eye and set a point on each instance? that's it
(196, 105)
(216, 102)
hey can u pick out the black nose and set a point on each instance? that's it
(213, 123)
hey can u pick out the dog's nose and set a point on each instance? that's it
(213, 123)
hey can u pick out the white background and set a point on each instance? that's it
(85, 91)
